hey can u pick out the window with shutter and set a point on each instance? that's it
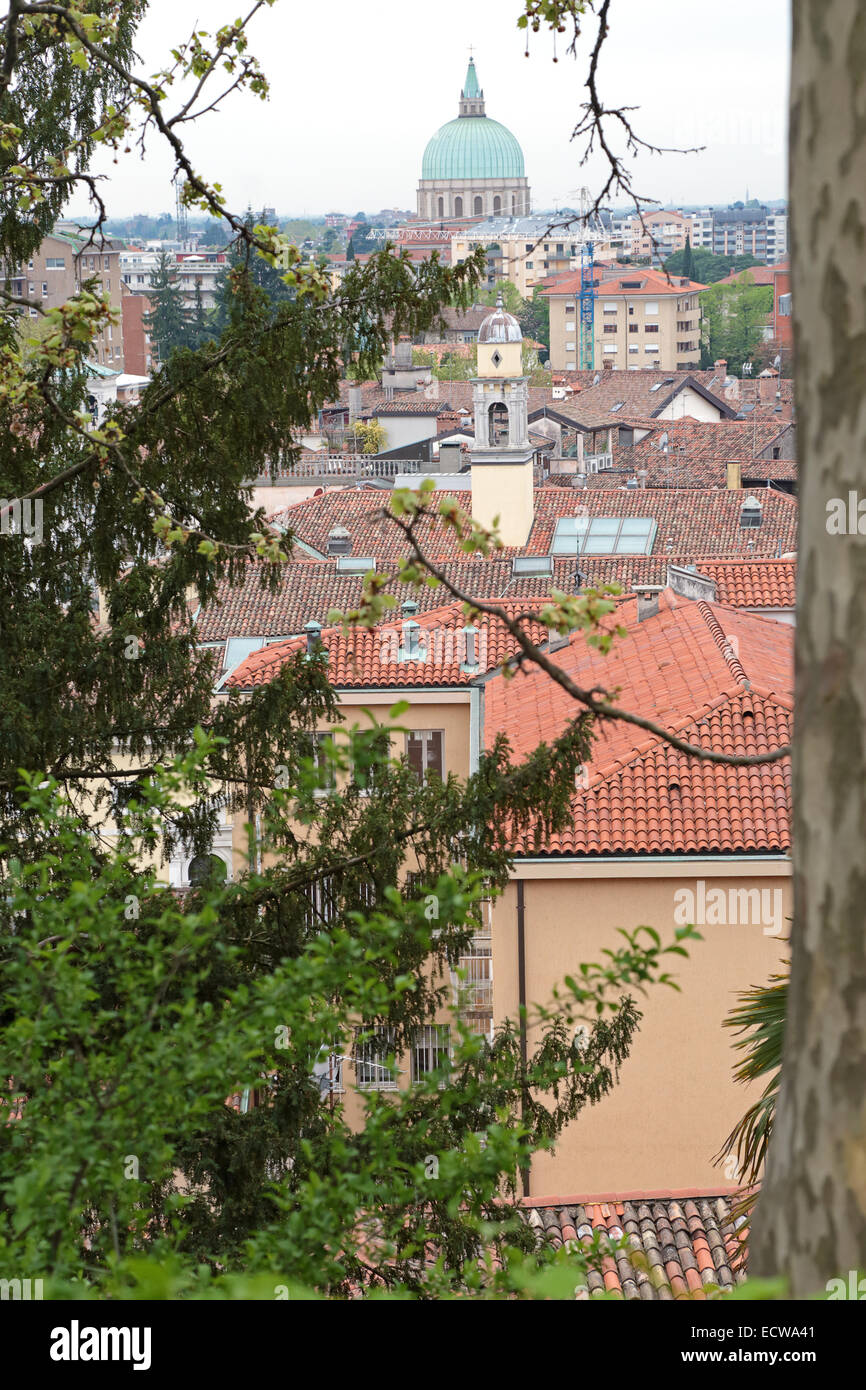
(424, 751)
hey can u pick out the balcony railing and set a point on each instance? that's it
(330, 468)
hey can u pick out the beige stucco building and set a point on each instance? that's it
(56, 271)
(641, 319)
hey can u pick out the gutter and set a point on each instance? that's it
(521, 993)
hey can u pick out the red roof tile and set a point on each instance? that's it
(690, 521)
(685, 1247)
(364, 658)
(719, 678)
(308, 588)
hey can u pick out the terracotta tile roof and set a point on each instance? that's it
(631, 282)
(456, 394)
(690, 521)
(759, 583)
(718, 677)
(364, 658)
(408, 404)
(639, 394)
(308, 589)
(698, 452)
(760, 275)
(676, 1247)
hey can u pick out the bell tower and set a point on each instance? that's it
(502, 455)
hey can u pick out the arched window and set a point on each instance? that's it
(207, 870)
(441, 207)
(479, 207)
(497, 205)
(513, 204)
(458, 207)
(498, 424)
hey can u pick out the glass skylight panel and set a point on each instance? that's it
(603, 535)
(635, 537)
(238, 649)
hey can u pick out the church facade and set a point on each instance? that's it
(473, 166)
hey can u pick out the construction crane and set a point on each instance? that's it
(586, 347)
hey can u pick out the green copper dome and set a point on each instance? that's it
(473, 147)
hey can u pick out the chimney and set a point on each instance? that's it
(354, 403)
(721, 366)
(314, 636)
(767, 384)
(647, 604)
(470, 648)
(339, 541)
(641, 478)
(735, 474)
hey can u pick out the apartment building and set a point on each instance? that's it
(658, 235)
(192, 270)
(526, 250)
(57, 270)
(742, 231)
(642, 319)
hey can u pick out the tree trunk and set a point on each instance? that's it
(810, 1223)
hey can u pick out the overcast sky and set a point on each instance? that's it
(358, 89)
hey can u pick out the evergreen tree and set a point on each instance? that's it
(350, 250)
(170, 322)
(688, 270)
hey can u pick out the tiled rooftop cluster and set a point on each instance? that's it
(717, 678)
(675, 1247)
(309, 589)
(689, 521)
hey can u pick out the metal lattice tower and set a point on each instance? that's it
(181, 213)
(586, 350)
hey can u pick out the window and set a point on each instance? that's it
(44, 289)
(633, 327)
(431, 1050)
(328, 1070)
(603, 535)
(529, 265)
(497, 422)
(373, 1072)
(610, 306)
(458, 207)
(569, 308)
(610, 328)
(320, 747)
(651, 306)
(106, 263)
(424, 751)
(479, 207)
(635, 348)
(497, 206)
(53, 263)
(441, 207)
(207, 870)
(610, 347)
(32, 287)
(651, 347)
(651, 328)
(532, 565)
